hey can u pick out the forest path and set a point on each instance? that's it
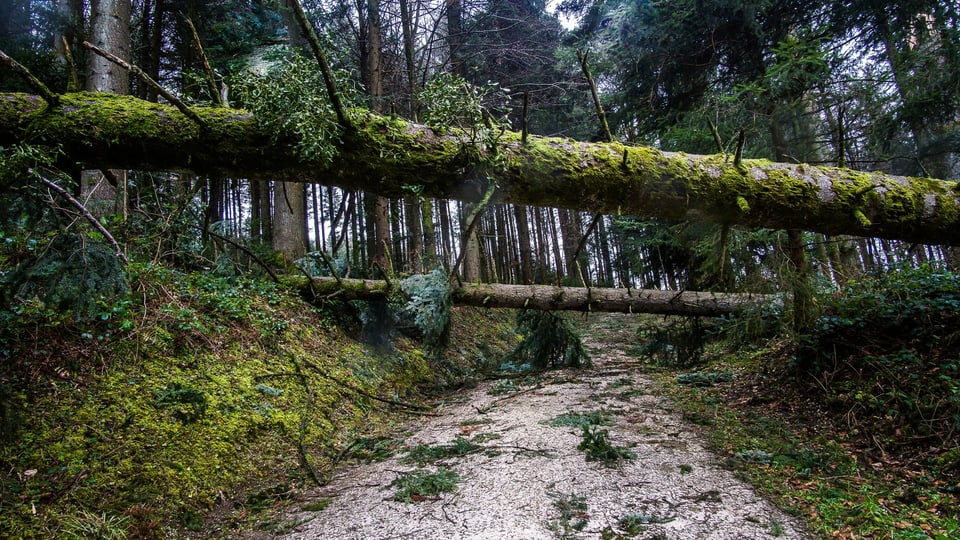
(529, 480)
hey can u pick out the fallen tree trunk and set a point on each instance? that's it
(387, 155)
(549, 297)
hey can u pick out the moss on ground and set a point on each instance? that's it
(216, 403)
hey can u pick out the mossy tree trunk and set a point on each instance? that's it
(385, 154)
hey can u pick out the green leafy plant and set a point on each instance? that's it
(290, 101)
(452, 102)
(595, 442)
(504, 386)
(421, 484)
(633, 524)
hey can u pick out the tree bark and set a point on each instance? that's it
(550, 297)
(384, 155)
(109, 30)
(526, 250)
(289, 234)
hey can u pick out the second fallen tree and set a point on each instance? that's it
(550, 297)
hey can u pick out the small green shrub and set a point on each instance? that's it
(73, 274)
(886, 349)
(678, 343)
(430, 302)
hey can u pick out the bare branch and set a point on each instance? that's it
(180, 105)
(86, 213)
(52, 99)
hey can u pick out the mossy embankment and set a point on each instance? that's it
(198, 397)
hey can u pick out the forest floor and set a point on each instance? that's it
(591, 453)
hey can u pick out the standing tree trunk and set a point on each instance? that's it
(415, 235)
(289, 220)
(373, 77)
(455, 34)
(408, 54)
(470, 245)
(571, 231)
(289, 231)
(104, 192)
(526, 251)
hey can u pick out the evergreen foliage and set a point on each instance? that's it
(422, 454)
(678, 343)
(595, 442)
(184, 403)
(548, 341)
(72, 275)
(420, 484)
(430, 303)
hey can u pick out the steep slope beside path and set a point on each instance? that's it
(530, 480)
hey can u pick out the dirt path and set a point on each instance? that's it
(529, 480)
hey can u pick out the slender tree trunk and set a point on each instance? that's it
(289, 230)
(446, 234)
(471, 246)
(604, 243)
(318, 218)
(555, 240)
(408, 54)
(429, 234)
(571, 232)
(455, 34)
(543, 265)
(523, 237)
(415, 235)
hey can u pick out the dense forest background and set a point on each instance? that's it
(858, 84)
(870, 87)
